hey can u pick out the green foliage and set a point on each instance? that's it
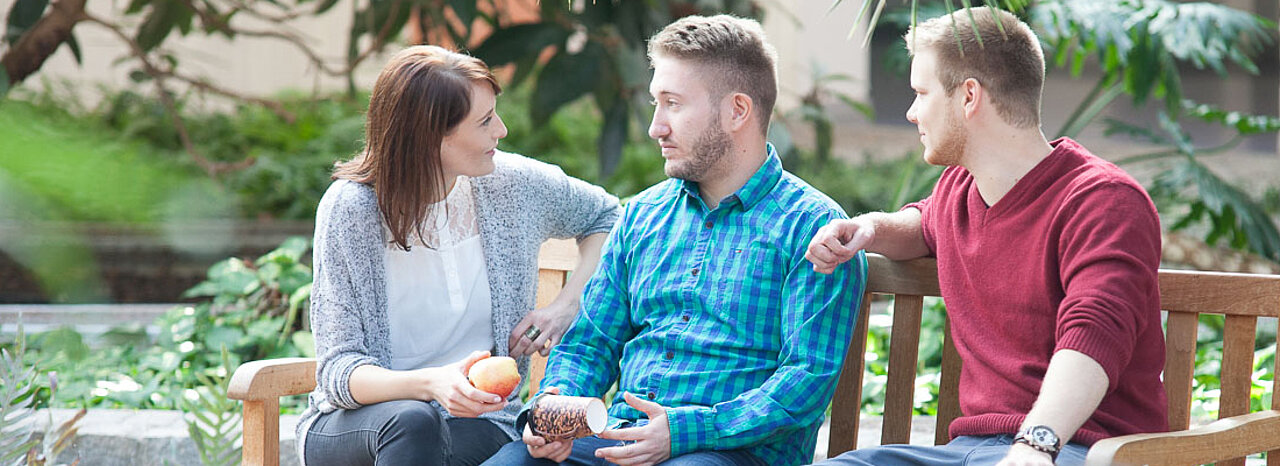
(597, 49)
(1206, 387)
(17, 404)
(565, 140)
(20, 396)
(870, 186)
(252, 309)
(928, 369)
(292, 160)
(213, 420)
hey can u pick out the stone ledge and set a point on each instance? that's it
(111, 437)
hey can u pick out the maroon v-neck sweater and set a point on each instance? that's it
(1066, 260)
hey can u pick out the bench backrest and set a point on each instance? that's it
(1241, 298)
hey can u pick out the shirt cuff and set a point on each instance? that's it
(691, 429)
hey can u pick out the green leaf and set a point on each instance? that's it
(613, 134)
(290, 251)
(513, 43)
(466, 11)
(306, 343)
(324, 6)
(164, 17)
(74, 45)
(136, 6)
(565, 78)
(1227, 206)
(23, 15)
(219, 337)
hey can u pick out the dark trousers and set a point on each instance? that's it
(400, 432)
(584, 454)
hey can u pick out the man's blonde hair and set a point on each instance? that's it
(735, 51)
(1008, 63)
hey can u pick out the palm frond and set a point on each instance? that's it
(1143, 41)
(213, 420)
(1229, 211)
(16, 405)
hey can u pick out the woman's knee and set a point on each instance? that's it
(411, 418)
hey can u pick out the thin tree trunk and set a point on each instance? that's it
(38, 43)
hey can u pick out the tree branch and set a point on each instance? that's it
(38, 43)
(212, 168)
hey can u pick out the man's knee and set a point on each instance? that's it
(514, 453)
(713, 458)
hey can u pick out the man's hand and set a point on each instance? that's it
(651, 442)
(539, 447)
(838, 242)
(1024, 455)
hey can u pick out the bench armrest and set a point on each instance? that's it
(272, 378)
(260, 384)
(1228, 438)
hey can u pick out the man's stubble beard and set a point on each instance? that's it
(708, 150)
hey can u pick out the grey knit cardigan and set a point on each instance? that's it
(521, 204)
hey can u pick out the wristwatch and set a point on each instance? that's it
(1041, 438)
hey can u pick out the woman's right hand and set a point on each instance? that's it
(448, 385)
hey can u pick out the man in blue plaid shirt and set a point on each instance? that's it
(725, 343)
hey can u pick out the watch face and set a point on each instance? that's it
(1043, 436)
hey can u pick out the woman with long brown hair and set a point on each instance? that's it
(425, 262)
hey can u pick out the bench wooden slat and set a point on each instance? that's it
(1179, 364)
(1238, 338)
(843, 434)
(948, 389)
(1237, 370)
(914, 277)
(550, 282)
(904, 350)
(1225, 293)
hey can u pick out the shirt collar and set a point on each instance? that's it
(756, 187)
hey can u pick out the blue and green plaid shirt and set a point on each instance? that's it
(717, 316)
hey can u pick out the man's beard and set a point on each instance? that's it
(950, 148)
(712, 145)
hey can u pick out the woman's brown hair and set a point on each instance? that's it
(421, 96)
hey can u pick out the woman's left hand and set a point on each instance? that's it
(551, 322)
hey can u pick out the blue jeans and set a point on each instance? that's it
(967, 450)
(400, 432)
(584, 454)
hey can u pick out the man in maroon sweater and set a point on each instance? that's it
(1047, 259)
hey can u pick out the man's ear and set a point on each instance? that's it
(741, 109)
(972, 92)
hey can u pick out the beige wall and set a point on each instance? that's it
(252, 66)
(805, 33)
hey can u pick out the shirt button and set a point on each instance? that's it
(652, 396)
(708, 224)
(670, 355)
(694, 272)
(684, 318)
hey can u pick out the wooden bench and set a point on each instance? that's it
(260, 384)
(1241, 298)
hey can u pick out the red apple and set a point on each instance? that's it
(496, 375)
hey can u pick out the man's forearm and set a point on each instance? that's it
(899, 235)
(1073, 387)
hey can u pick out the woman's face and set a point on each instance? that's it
(469, 149)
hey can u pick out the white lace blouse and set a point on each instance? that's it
(438, 297)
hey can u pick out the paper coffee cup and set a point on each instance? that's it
(558, 417)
